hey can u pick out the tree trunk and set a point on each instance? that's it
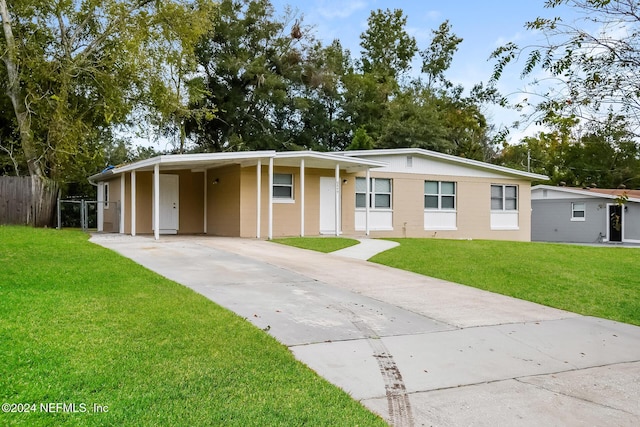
(10, 59)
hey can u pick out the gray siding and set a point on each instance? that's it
(631, 222)
(551, 221)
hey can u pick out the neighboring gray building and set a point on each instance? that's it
(589, 215)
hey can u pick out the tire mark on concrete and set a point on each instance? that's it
(400, 413)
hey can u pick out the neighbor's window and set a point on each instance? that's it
(380, 193)
(440, 195)
(105, 196)
(283, 186)
(578, 212)
(504, 197)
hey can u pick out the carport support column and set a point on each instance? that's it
(204, 197)
(258, 197)
(123, 178)
(156, 201)
(133, 203)
(337, 200)
(270, 215)
(301, 197)
(367, 203)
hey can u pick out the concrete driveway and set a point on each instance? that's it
(416, 350)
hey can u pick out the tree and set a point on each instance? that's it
(437, 58)
(387, 48)
(76, 70)
(592, 65)
(253, 68)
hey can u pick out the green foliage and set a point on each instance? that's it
(436, 59)
(82, 324)
(361, 140)
(592, 61)
(387, 47)
(594, 281)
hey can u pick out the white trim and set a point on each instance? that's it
(100, 224)
(367, 208)
(337, 199)
(579, 192)
(446, 157)
(608, 225)
(133, 203)
(156, 201)
(302, 190)
(270, 214)
(258, 196)
(123, 203)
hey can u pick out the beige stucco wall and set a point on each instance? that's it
(473, 205)
(286, 216)
(223, 201)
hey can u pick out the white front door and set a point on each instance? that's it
(169, 204)
(328, 189)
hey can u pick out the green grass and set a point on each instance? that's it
(81, 324)
(596, 281)
(320, 244)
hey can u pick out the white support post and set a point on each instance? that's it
(122, 201)
(270, 214)
(337, 200)
(156, 201)
(101, 199)
(206, 187)
(367, 203)
(133, 203)
(302, 197)
(258, 197)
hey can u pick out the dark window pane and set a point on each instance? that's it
(383, 201)
(431, 202)
(448, 202)
(361, 200)
(282, 192)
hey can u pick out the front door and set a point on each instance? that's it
(328, 190)
(615, 223)
(169, 203)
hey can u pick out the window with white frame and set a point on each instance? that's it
(578, 211)
(105, 195)
(282, 187)
(504, 197)
(440, 195)
(380, 189)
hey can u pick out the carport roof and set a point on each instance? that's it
(203, 161)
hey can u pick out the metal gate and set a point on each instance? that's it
(83, 214)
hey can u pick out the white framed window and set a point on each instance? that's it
(578, 211)
(504, 197)
(282, 187)
(105, 195)
(439, 195)
(381, 192)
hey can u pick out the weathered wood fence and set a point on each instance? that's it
(28, 201)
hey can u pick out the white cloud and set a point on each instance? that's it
(340, 10)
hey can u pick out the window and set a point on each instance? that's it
(440, 195)
(380, 193)
(105, 196)
(578, 211)
(504, 197)
(282, 186)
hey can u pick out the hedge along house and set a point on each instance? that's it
(585, 215)
(383, 193)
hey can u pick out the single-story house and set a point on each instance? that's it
(585, 215)
(382, 193)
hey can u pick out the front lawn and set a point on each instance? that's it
(320, 244)
(595, 281)
(102, 341)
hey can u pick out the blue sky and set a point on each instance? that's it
(483, 25)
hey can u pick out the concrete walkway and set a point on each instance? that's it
(416, 350)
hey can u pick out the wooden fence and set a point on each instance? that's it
(28, 201)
